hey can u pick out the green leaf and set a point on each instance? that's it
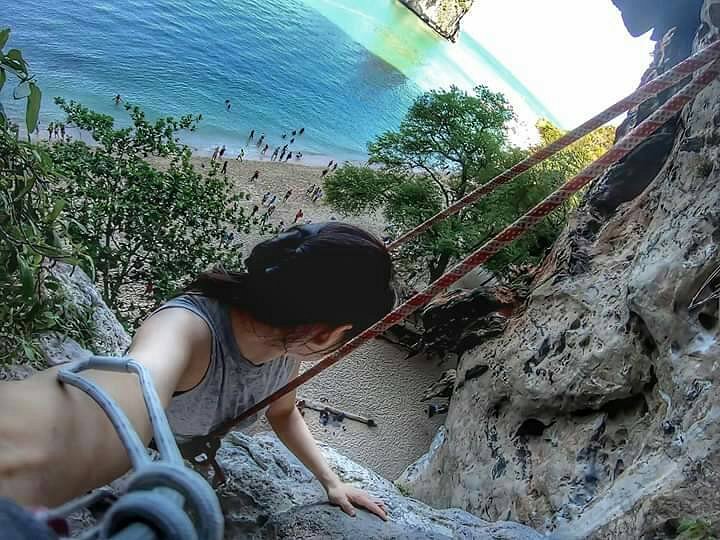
(27, 279)
(4, 36)
(15, 55)
(57, 208)
(33, 107)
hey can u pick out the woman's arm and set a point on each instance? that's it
(56, 443)
(290, 427)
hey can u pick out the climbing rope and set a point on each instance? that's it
(676, 75)
(535, 215)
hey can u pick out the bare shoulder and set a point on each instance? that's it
(176, 342)
(171, 327)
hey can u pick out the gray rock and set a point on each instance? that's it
(109, 337)
(443, 16)
(270, 495)
(599, 415)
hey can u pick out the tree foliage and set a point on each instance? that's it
(147, 217)
(33, 226)
(449, 143)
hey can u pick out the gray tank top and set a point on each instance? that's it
(231, 385)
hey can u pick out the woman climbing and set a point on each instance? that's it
(230, 339)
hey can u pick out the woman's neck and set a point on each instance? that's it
(258, 342)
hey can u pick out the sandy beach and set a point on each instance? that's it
(278, 178)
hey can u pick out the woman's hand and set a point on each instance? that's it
(348, 497)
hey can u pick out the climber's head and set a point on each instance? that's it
(317, 285)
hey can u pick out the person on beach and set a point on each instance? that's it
(228, 105)
(298, 216)
(227, 340)
(302, 130)
(294, 133)
(254, 210)
(282, 154)
(292, 140)
(260, 140)
(224, 167)
(265, 198)
(334, 167)
(222, 152)
(50, 131)
(265, 149)
(56, 130)
(241, 155)
(325, 171)
(271, 210)
(288, 194)
(330, 164)
(272, 200)
(298, 156)
(275, 154)
(62, 131)
(118, 99)
(255, 176)
(310, 190)
(287, 158)
(216, 152)
(284, 135)
(252, 134)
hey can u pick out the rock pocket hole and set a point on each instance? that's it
(707, 320)
(532, 427)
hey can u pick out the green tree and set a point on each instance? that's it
(33, 229)
(448, 144)
(148, 218)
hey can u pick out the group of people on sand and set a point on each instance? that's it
(57, 130)
(280, 153)
(315, 193)
(332, 167)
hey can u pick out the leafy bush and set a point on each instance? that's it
(32, 231)
(147, 217)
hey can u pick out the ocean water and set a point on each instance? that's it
(345, 70)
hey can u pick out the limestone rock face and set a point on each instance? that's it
(443, 16)
(598, 415)
(270, 495)
(109, 336)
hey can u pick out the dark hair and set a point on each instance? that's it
(331, 273)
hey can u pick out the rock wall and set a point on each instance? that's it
(596, 413)
(443, 16)
(270, 495)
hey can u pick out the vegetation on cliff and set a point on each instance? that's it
(147, 218)
(450, 143)
(33, 227)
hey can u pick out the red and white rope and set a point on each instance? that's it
(530, 219)
(675, 75)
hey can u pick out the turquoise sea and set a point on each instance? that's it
(346, 70)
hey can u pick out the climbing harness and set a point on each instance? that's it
(161, 495)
